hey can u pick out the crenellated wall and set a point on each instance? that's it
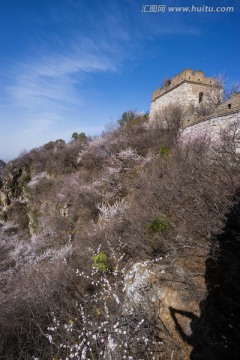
(190, 90)
(187, 75)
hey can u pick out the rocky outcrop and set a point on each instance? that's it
(161, 287)
(13, 186)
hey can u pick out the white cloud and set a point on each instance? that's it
(55, 78)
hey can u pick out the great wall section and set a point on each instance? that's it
(201, 102)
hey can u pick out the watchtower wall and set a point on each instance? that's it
(190, 90)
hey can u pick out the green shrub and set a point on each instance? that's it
(100, 262)
(33, 223)
(127, 117)
(16, 190)
(82, 136)
(60, 141)
(3, 216)
(156, 227)
(164, 150)
(26, 178)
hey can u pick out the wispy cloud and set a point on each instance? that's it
(43, 89)
(56, 77)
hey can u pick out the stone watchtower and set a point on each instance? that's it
(195, 94)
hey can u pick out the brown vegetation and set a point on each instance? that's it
(134, 194)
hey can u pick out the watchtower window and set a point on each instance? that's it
(200, 97)
(229, 106)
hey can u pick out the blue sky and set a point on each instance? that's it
(77, 65)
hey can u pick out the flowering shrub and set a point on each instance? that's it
(37, 178)
(108, 213)
(129, 154)
(99, 327)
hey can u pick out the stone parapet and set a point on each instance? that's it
(187, 75)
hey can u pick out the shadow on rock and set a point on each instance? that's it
(215, 334)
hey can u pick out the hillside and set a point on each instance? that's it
(122, 247)
(2, 165)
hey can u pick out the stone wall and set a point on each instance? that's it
(211, 127)
(191, 91)
(183, 95)
(231, 106)
(197, 96)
